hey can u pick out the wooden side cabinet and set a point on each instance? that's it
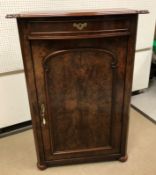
(78, 67)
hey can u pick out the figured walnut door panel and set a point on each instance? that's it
(79, 89)
(79, 94)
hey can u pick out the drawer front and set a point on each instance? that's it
(74, 28)
(78, 25)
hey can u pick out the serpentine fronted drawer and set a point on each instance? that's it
(81, 27)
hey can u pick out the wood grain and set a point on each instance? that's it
(83, 78)
(74, 13)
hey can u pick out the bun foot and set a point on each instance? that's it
(123, 158)
(41, 167)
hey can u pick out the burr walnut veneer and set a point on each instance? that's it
(78, 68)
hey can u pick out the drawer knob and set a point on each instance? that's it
(80, 26)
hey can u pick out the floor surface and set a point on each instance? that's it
(146, 101)
(17, 154)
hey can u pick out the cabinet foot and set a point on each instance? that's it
(123, 158)
(41, 167)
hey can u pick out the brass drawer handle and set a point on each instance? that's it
(42, 113)
(80, 26)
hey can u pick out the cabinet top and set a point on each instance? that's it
(100, 12)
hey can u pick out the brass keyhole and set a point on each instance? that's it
(80, 26)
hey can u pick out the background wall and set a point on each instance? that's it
(14, 100)
(13, 94)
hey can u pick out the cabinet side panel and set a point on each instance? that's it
(128, 81)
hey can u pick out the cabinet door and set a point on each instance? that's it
(80, 87)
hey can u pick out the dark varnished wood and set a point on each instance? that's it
(123, 159)
(79, 81)
(41, 166)
(82, 75)
(86, 12)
